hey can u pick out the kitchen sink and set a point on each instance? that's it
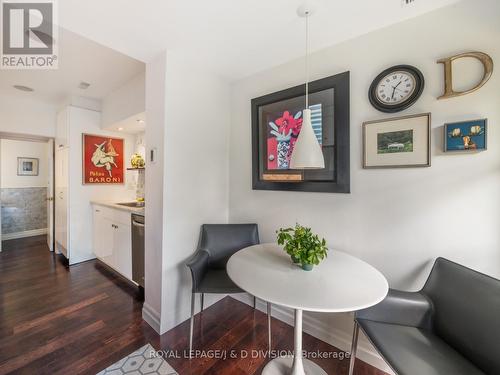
(132, 204)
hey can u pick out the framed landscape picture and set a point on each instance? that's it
(102, 160)
(466, 135)
(27, 166)
(276, 125)
(397, 142)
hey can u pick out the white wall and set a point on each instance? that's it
(398, 220)
(140, 144)
(10, 151)
(21, 113)
(194, 153)
(156, 71)
(126, 101)
(196, 173)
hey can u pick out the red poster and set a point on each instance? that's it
(102, 160)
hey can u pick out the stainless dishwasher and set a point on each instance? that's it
(138, 249)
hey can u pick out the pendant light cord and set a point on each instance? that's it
(307, 60)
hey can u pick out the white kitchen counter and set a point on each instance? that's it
(115, 205)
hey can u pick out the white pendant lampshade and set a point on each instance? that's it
(307, 153)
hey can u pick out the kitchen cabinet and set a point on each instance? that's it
(112, 238)
(103, 236)
(122, 248)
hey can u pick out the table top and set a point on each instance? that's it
(338, 284)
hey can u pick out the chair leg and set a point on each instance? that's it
(354, 348)
(269, 325)
(254, 302)
(191, 328)
(202, 302)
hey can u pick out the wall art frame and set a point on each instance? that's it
(397, 142)
(27, 166)
(276, 121)
(103, 160)
(466, 136)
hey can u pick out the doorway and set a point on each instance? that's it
(26, 188)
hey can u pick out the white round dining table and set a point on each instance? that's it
(340, 283)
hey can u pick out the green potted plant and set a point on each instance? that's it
(303, 246)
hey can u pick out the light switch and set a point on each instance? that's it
(152, 155)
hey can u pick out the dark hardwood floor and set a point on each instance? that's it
(80, 320)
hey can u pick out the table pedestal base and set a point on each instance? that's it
(283, 366)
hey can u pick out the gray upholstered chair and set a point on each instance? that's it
(208, 265)
(451, 326)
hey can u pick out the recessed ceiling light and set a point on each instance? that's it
(140, 121)
(23, 88)
(120, 129)
(83, 85)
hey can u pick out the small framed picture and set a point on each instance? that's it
(466, 135)
(399, 142)
(27, 167)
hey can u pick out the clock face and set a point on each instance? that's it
(396, 88)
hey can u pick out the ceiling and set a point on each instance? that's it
(80, 59)
(233, 38)
(132, 125)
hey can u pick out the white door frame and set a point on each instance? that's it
(29, 138)
(50, 196)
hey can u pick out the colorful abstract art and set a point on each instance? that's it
(283, 133)
(277, 120)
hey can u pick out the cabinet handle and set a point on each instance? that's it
(97, 210)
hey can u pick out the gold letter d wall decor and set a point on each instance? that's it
(448, 73)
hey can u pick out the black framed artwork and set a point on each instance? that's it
(276, 124)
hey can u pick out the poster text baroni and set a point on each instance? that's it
(100, 177)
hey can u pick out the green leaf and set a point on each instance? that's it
(303, 244)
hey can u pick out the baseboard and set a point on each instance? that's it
(79, 259)
(27, 233)
(331, 335)
(152, 317)
(110, 270)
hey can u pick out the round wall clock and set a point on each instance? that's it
(396, 88)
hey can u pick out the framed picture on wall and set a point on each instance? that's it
(276, 125)
(27, 166)
(466, 135)
(399, 142)
(103, 159)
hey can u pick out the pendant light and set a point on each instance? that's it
(307, 153)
